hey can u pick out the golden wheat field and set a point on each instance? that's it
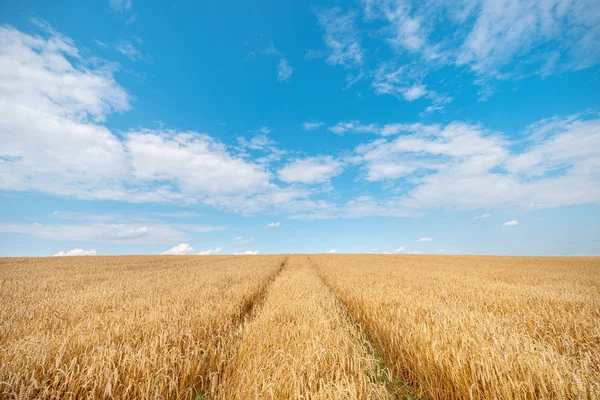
(300, 327)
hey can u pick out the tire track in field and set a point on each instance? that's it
(299, 344)
(229, 341)
(394, 384)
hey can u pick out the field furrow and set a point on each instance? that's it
(301, 345)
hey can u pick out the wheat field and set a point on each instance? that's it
(300, 327)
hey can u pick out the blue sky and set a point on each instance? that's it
(453, 127)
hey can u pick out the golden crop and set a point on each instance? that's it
(479, 327)
(121, 327)
(300, 327)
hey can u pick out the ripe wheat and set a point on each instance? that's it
(479, 327)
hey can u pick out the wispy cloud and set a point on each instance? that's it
(511, 223)
(496, 41)
(120, 5)
(273, 225)
(101, 44)
(341, 37)
(128, 49)
(311, 126)
(242, 241)
(484, 215)
(425, 239)
(125, 234)
(284, 70)
(344, 127)
(399, 249)
(332, 251)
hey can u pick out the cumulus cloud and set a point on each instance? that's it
(210, 251)
(425, 239)
(247, 253)
(284, 70)
(273, 225)
(76, 252)
(332, 251)
(180, 249)
(195, 162)
(466, 166)
(399, 249)
(311, 126)
(52, 105)
(511, 223)
(310, 170)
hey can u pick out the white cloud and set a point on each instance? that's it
(511, 223)
(210, 251)
(485, 215)
(242, 241)
(399, 81)
(257, 142)
(180, 249)
(425, 239)
(495, 39)
(342, 128)
(247, 253)
(358, 207)
(284, 70)
(129, 50)
(414, 92)
(273, 225)
(399, 249)
(120, 5)
(500, 39)
(126, 234)
(196, 163)
(462, 166)
(378, 171)
(311, 126)
(310, 170)
(76, 252)
(52, 103)
(341, 37)
(441, 250)
(101, 44)
(332, 251)
(550, 36)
